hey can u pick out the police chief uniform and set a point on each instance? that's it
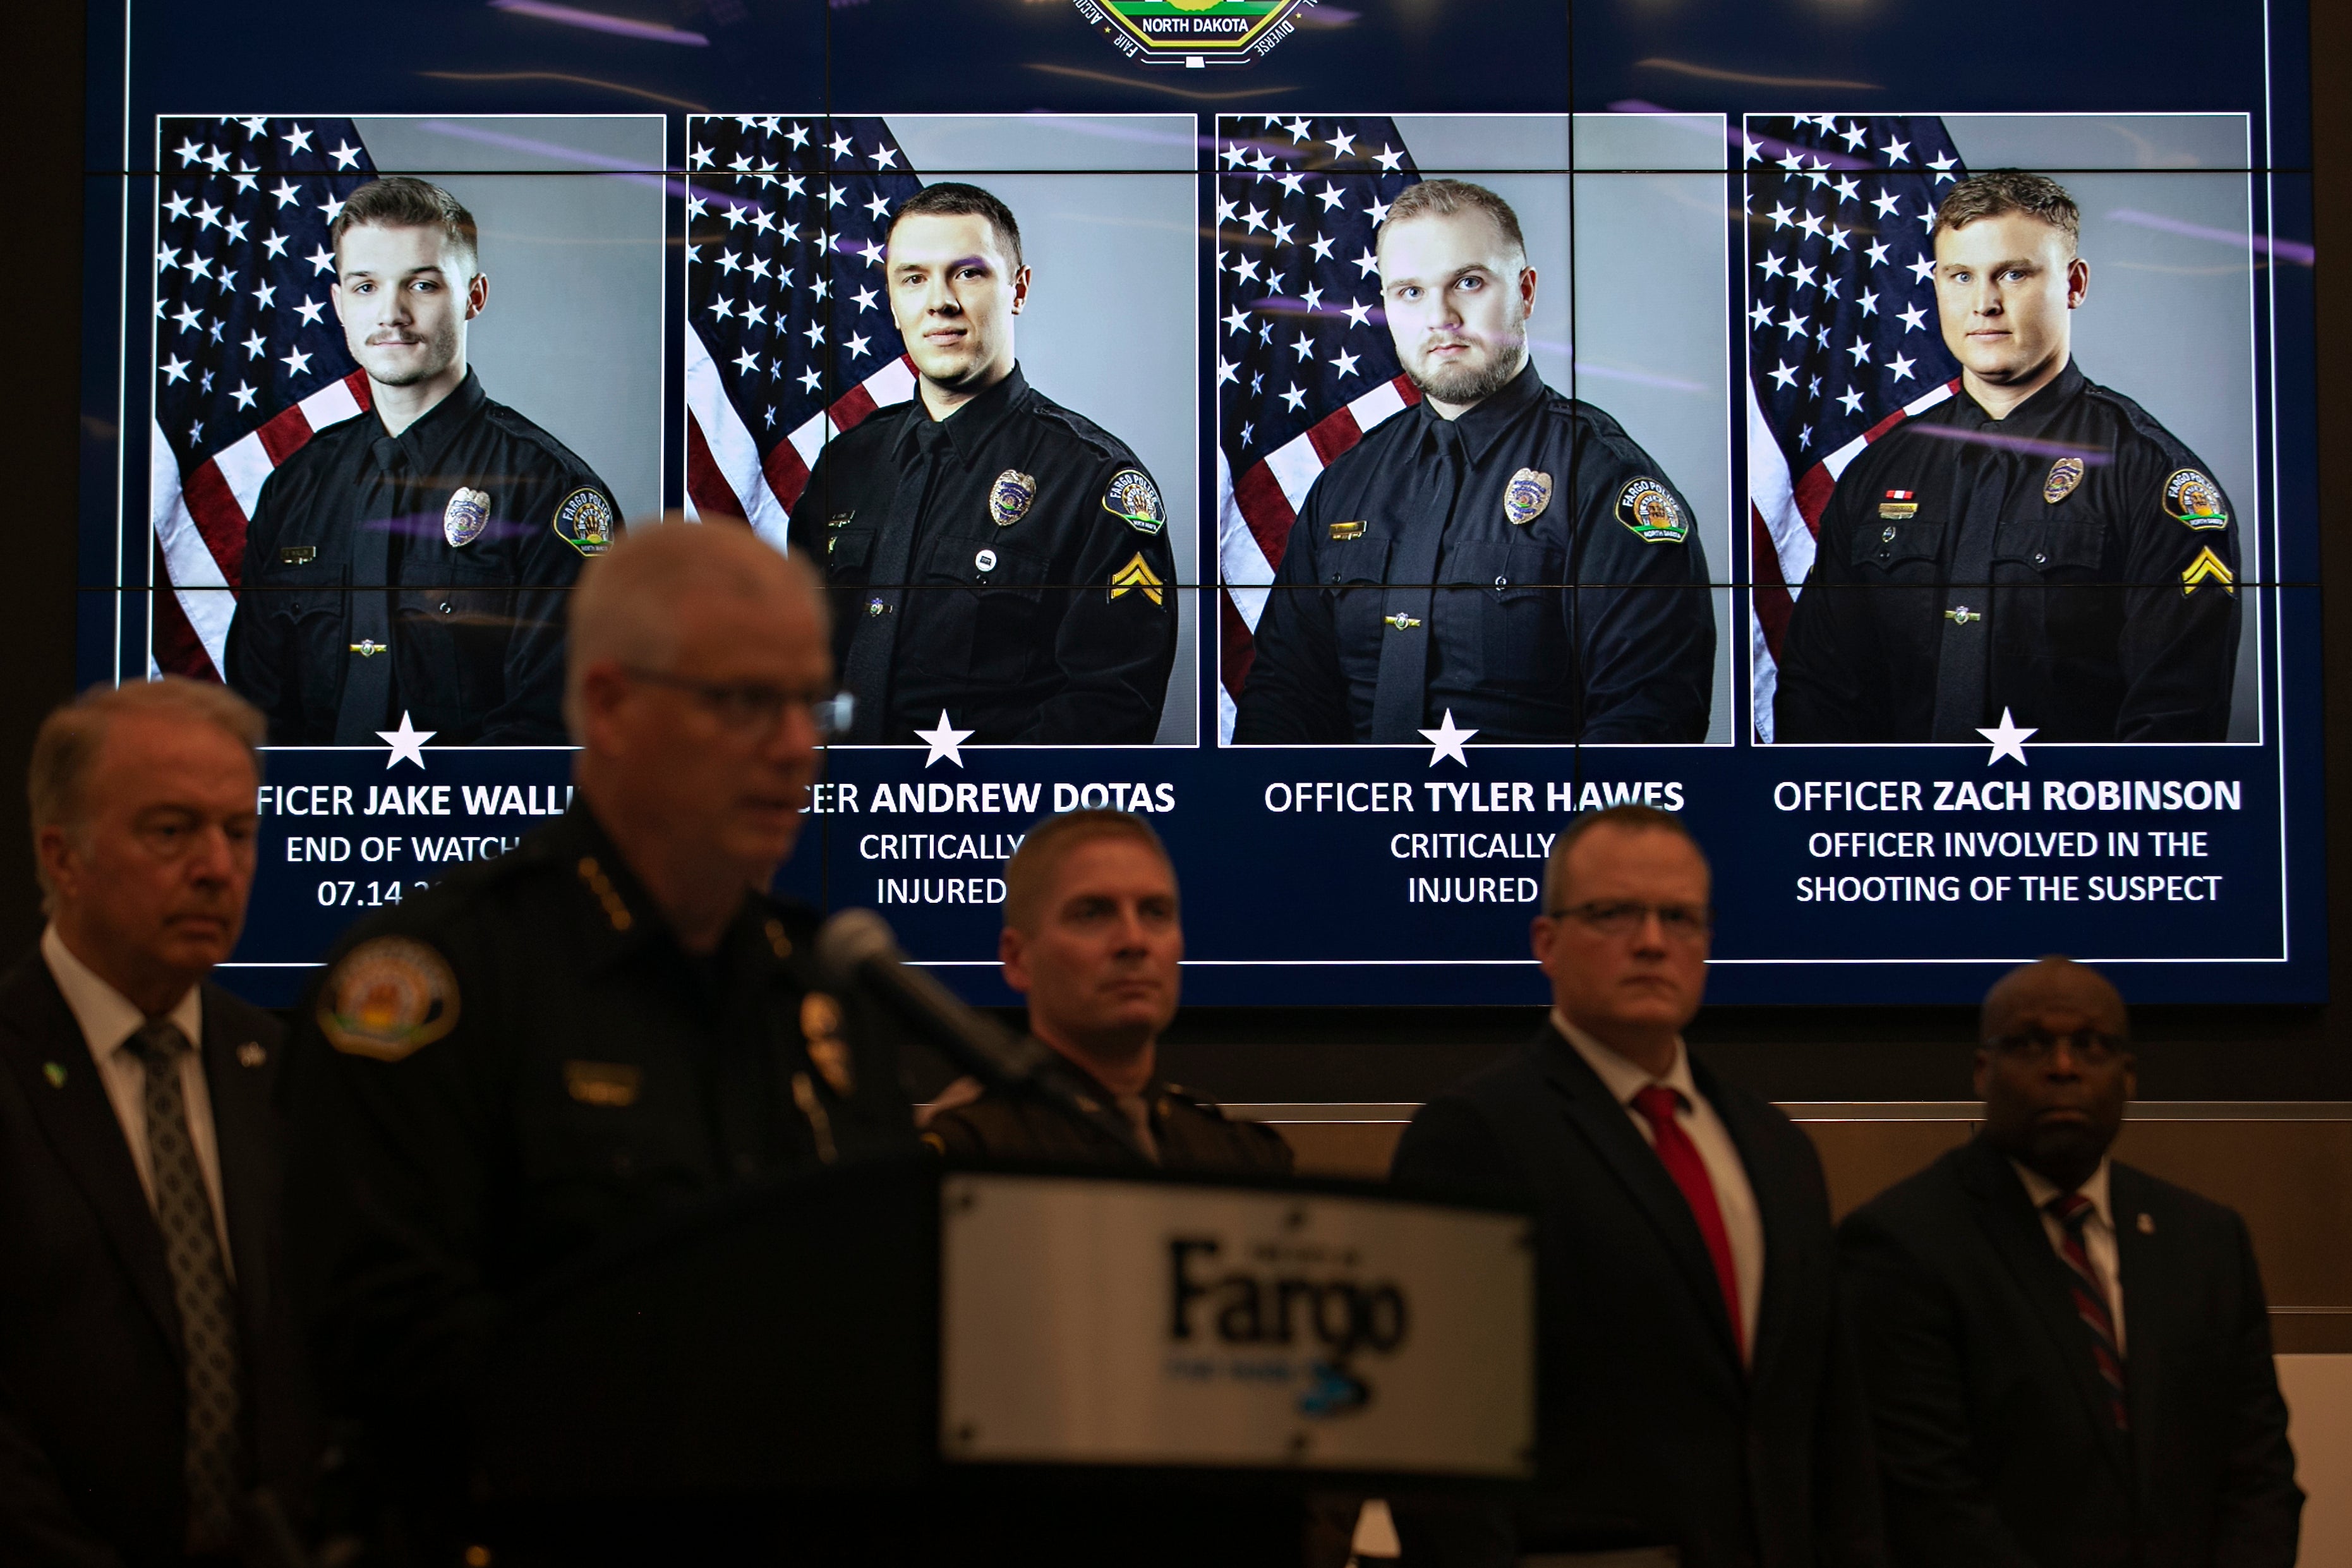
(520, 1062)
(2072, 565)
(1569, 600)
(420, 574)
(1085, 1124)
(1008, 564)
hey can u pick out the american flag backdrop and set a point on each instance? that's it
(1843, 344)
(1304, 361)
(790, 338)
(249, 359)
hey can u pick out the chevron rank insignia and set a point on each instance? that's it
(2208, 568)
(1137, 574)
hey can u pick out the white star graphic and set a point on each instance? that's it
(1345, 364)
(310, 311)
(1295, 398)
(1914, 319)
(1358, 315)
(298, 361)
(1901, 367)
(1897, 151)
(1445, 742)
(944, 740)
(176, 369)
(297, 140)
(856, 346)
(2008, 739)
(407, 743)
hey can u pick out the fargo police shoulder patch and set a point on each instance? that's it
(1134, 500)
(387, 999)
(583, 520)
(1651, 511)
(2192, 498)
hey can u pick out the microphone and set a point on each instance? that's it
(859, 945)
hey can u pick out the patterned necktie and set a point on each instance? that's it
(200, 1286)
(2072, 1211)
(1658, 1105)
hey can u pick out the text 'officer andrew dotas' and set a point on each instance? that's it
(414, 558)
(2036, 544)
(993, 555)
(1498, 552)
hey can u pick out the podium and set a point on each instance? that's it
(911, 1363)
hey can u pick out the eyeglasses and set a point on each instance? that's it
(753, 708)
(2089, 1047)
(1629, 917)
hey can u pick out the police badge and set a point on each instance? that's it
(462, 520)
(2064, 474)
(1524, 498)
(1650, 509)
(2194, 500)
(1134, 500)
(585, 521)
(1009, 498)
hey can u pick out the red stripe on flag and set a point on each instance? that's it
(357, 384)
(175, 646)
(1771, 591)
(218, 518)
(787, 474)
(850, 409)
(1266, 510)
(1236, 650)
(1405, 388)
(1334, 434)
(712, 495)
(1884, 425)
(1813, 495)
(284, 433)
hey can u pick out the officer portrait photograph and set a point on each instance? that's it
(953, 410)
(1990, 494)
(1473, 430)
(384, 445)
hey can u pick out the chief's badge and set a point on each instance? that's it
(2064, 474)
(1650, 509)
(2195, 499)
(1137, 574)
(585, 521)
(468, 513)
(1009, 498)
(388, 998)
(1524, 498)
(821, 1032)
(1134, 500)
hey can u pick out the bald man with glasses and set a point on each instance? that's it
(610, 1022)
(1697, 1402)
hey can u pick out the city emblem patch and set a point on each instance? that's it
(388, 998)
(585, 521)
(2064, 474)
(1524, 498)
(1009, 496)
(2194, 500)
(1192, 33)
(1650, 509)
(462, 520)
(1134, 500)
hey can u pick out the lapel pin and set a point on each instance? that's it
(251, 1054)
(2147, 1225)
(55, 1072)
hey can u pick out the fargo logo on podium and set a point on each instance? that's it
(1193, 34)
(1276, 1301)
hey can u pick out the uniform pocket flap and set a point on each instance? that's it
(1884, 543)
(2045, 545)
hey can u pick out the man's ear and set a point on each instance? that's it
(55, 849)
(2078, 282)
(1013, 954)
(1980, 1080)
(477, 294)
(1020, 290)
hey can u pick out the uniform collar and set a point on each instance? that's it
(108, 1017)
(617, 907)
(1622, 1077)
(2028, 417)
(970, 427)
(428, 440)
(1483, 426)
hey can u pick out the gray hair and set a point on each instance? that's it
(632, 598)
(71, 737)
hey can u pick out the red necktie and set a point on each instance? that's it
(1657, 1105)
(2072, 1211)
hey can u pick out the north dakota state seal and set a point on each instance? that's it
(1193, 34)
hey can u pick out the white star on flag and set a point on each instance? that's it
(2008, 739)
(1446, 742)
(944, 740)
(407, 743)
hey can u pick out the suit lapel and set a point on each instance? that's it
(38, 1032)
(2144, 1260)
(2011, 1222)
(238, 1072)
(1606, 1125)
(1776, 1201)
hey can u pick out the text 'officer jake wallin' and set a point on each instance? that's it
(414, 558)
(993, 556)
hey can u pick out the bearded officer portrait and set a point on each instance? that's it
(1498, 552)
(412, 559)
(994, 556)
(2037, 545)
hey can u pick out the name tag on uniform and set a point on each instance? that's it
(298, 554)
(1348, 530)
(603, 1083)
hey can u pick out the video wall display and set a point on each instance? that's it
(1355, 446)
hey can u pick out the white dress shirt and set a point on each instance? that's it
(109, 1020)
(1742, 1222)
(2098, 1235)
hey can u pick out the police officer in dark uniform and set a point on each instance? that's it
(605, 1024)
(2035, 546)
(1498, 552)
(1092, 938)
(994, 557)
(412, 559)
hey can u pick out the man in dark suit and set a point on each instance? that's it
(1696, 1391)
(151, 1407)
(2068, 1361)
